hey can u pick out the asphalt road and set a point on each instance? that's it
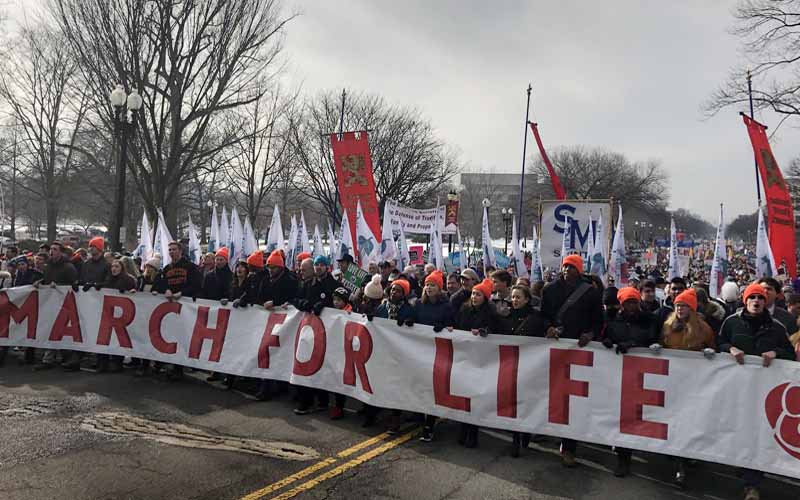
(112, 436)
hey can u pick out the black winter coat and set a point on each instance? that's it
(60, 273)
(180, 277)
(29, 277)
(318, 290)
(120, 282)
(641, 330)
(483, 317)
(438, 313)
(217, 283)
(280, 291)
(755, 335)
(585, 315)
(250, 288)
(525, 321)
(95, 271)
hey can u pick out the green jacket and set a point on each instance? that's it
(755, 336)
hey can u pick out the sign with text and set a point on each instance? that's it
(417, 221)
(676, 403)
(573, 217)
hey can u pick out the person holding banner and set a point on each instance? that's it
(477, 316)
(58, 271)
(753, 331)
(772, 287)
(433, 309)
(631, 327)
(573, 308)
(217, 282)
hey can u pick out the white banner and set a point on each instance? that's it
(675, 403)
(555, 215)
(416, 221)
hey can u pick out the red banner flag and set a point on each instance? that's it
(354, 176)
(557, 187)
(780, 212)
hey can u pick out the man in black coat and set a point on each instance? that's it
(772, 287)
(96, 269)
(573, 306)
(217, 282)
(59, 271)
(753, 331)
(178, 278)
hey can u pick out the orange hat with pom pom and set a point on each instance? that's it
(436, 278)
(256, 260)
(688, 297)
(486, 287)
(276, 259)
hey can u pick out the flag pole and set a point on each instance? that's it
(524, 152)
(750, 94)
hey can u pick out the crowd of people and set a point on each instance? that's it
(758, 318)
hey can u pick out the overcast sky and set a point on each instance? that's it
(630, 76)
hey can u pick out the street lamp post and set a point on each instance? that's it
(508, 214)
(124, 126)
(451, 196)
(210, 206)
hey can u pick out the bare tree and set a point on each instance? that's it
(257, 160)
(37, 82)
(192, 62)
(410, 164)
(602, 174)
(770, 35)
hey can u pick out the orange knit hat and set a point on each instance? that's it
(256, 260)
(275, 259)
(223, 252)
(628, 293)
(573, 260)
(97, 242)
(303, 256)
(405, 285)
(436, 278)
(753, 289)
(688, 297)
(486, 287)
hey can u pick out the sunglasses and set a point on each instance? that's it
(757, 297)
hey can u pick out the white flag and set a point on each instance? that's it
(145, 248)
(435, 251)
(275, 239)
(367, 243)
(213, 239)
(519, 258)
(765, 261)
(303, 235)
(193, 252)
(403, 257)
(250, 240)
(344, 240)
(486, 242)
(618, 264)
(163, 237)
(673, 271)
(719, 268)
(590, 236)
(388, 246)
(225, 232)
(236, 247)
(292, 251)
(598, 257)
(537, 272)
(565, 247)
(319, 248)
(333, 246)
(462, 257)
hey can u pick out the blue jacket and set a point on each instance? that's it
(435, 314)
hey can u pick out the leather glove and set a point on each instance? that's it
(709, 353)
(584, 339)
(622, 347)
(122, 289)
(236, 303)
(223, 302)
(52, 284)
(97, 287)
(369, 317)
(655, 348)
(608, 343)
(400, 322)
(438, 327)
(75, 287)
(318, 307)
(483, 332)
(410, 322)
(243, 302)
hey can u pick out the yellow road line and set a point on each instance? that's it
(347, 466)
(256, 495)
(363, 444)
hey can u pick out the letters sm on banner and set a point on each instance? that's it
(353, 163)
(572, 216)
(676, 403)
